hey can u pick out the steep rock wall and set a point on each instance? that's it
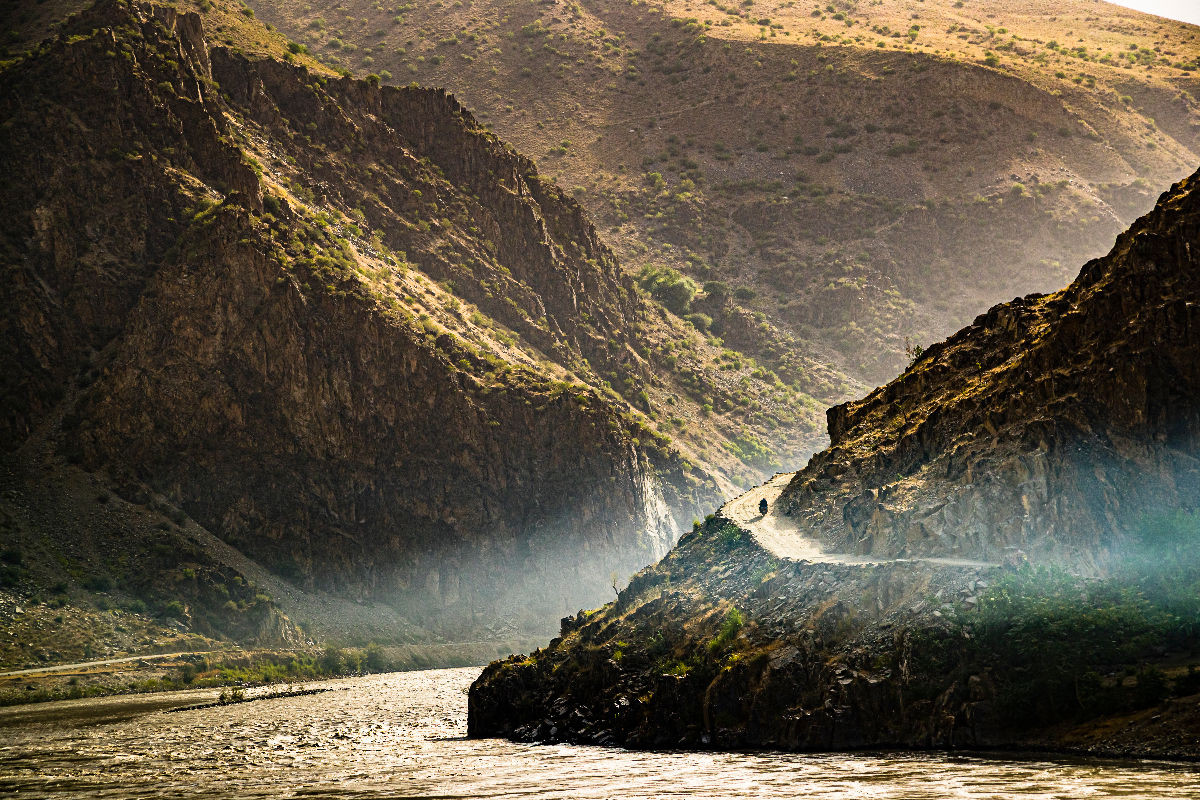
(1049, 424)
(178, 312)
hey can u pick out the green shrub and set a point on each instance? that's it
(97, 583)
(731, 536)
(333, 661)
(728, 632)
(669, 287)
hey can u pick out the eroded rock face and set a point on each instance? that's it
(820, 660)
(230, 279)
(1048, 425)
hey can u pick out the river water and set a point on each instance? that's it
(403, 736)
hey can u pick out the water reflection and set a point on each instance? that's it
(402, 735)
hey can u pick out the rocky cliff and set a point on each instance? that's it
(335, 324)
(1061, 426)
(1049, 425)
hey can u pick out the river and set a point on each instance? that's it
(403, 736)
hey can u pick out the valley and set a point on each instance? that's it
(372, 337)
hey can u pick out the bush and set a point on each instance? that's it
(374, 660)
(136, 606)
(728, 632)
(10, 575)
(669, 287)
(731, 536)
(234, 695)
(333, 661)
(718, 291)
(97, 583)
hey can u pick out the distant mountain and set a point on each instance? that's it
(872, 173)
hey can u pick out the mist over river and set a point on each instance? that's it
(403, 735)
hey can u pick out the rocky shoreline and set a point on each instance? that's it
(1056, 434)
(721, 646)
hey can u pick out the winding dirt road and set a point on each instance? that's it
(780, 535)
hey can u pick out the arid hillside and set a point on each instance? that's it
(269, 326)
(1004, 551)
(864, 175)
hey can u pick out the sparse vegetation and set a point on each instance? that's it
(1065, 647)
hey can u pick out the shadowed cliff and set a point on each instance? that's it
(334, 324)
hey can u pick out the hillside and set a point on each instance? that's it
(840, 164)
(1049, 425)
(1003, 550)
(278, 339)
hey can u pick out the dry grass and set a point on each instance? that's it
(844, 164)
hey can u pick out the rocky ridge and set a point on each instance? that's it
(333, 324)
(1051, 425)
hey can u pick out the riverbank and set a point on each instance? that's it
(723, 645)
(235, 667)
(383, 736)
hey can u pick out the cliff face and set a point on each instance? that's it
(721, 645)
(339, 325)
(1053, 424)
(1050, 425)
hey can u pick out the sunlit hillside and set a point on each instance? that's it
(869, 173)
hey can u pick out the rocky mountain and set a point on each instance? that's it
(1049, 425)
(1059, 430)
(331, 338)
(840, 163)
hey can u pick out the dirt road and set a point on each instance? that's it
(104, 663)
(780, 535)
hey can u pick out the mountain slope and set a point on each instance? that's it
(340, 328)
(1050, 423)
(1065, 425)
(846, 162)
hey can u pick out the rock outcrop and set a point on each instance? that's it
(336, 323)
(720, 645)
(1049, 426)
